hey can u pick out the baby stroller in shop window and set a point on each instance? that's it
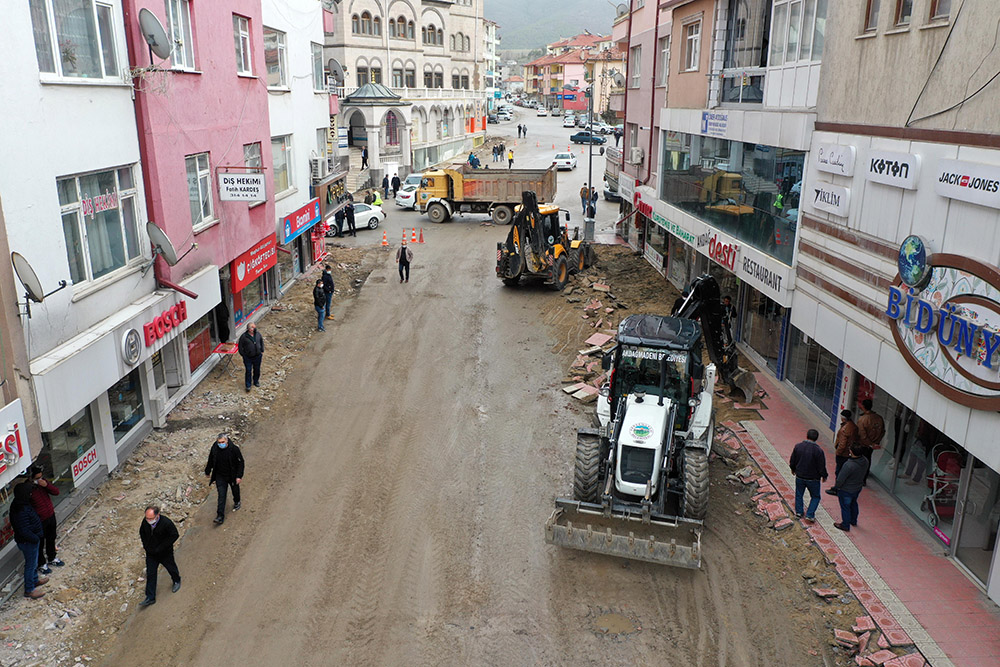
(943, 484)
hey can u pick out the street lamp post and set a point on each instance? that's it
(588, 220)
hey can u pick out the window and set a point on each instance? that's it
(467, 44)
(179, 33)
(465, 81)
(428, 79)
(635, 64)
(392, 27)
(241, 36)
(281, 157)
(439, 79)
(904, 9)
(455, 81)
(871, 15)
(366, 23)
(411, 78)
(798, 31)
(391, 130)
(397, 77)
(440, 37)
(99, 218)
(376, 74)
(84, 44)
(317, 66)
(664, 61)
(940, 9)
(199, 180)
(453, 42)
(377, 26)
(692, 46)
(355, 24)
(274, 58)
(410, 30)
(362, 75)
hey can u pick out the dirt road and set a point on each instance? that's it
(393, 510)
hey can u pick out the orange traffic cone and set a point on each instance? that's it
(385, 239)
(553, 146)
(569, 149)
(421, 235)
(536, 144)
(404, 234)
(414, 238)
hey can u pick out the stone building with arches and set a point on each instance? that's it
(413, 90)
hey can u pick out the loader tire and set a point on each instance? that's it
(586, 478)
(560, 273)
(437, 213)
(695, 483)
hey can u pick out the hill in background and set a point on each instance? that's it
(529, 24)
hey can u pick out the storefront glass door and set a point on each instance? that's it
(980, 517)
(762, 327)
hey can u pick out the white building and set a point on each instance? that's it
(491, 65)
(299, 109)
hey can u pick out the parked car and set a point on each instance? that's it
(557, 112)
(492, 119)
(542, 111)
(365, 215)
(569, 121)
(564, 161)
(600, 127)
(407, 196)
(585, 137)
(611, 194)
(413, 179)
(504, 115)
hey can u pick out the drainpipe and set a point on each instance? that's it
(628, 57)
(652, 99)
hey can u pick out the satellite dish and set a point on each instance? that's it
(618, 79)
(336, 71)
(621, 10)
(28, 277)
(161, 244)
(155, 35)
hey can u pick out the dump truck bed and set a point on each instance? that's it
(504, 185)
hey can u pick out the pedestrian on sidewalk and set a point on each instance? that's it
(28, 535)
(584, 198)
(871, 430)
(524, 130)
(349, 215)
(395, 184)
(328, 289)
(251, 348)
(41, 492)
(510, 158)
(385, 185)
(158, 534)
(338, 220)
(808, 464)
(319, 302)
(364, 157)
(849, 482)
(225, 469)
(494, 153)
(847, 436)
(403, 257)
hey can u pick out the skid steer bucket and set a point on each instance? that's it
(584, 526)
(744, 382)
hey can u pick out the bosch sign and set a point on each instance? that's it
(169, 319)
(84, 463)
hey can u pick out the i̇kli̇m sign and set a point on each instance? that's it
(946, 313)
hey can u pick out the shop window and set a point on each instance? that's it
(286, 265)
(679, 263)
(84, 41)
(247, 301)
(125, 398)
(201, 340)
(762, 322)
(275, 64)
(281, 157)
(812, 370)
(750, 191)
(99, 219)
(66, 444)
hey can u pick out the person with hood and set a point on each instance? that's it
(225, 469)
(403, 258)
(41, 492)
(328, 289)
(251, 348)
(319, 301)
(158, 534)
(28, 535)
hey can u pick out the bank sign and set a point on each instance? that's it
(945, 312)
(296, 223)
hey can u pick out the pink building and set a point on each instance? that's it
(207, 154)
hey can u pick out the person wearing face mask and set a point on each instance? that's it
(28, 535)
(158, 534)
(225, 469)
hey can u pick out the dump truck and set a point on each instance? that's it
(641, 479)
(539, 247)
(462, 189)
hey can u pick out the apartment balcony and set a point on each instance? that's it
(743, 86)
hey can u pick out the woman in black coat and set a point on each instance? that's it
(28, 535)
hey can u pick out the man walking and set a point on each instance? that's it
(364, 157)
(871, 430)
(618, 136)
(328, 289)
(524, 130)
(395, 184)
(251, 348)
(28, 535)
(584, 198)
(158, 534)
(510, 158)
(225, 469)
(319, 299)
(808, 464)
(403, 257)
(850, 479)
(847, 436)
(385, 185)
(41, 490)
(349, 215)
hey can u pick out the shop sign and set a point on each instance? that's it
(835, 159)
(130, 347)
(164, 323)
(948, 327)
(254, 263)
(84, 463)
(16, 454)
(626, 186)
(647, 210)
(653, 257)
(299, 221)
(714, 123)
(969, 181)
(341, 137)
(831, 198)
(721, 251)
(99, 203)
(761, 273)
(899, 170)
(241, 187)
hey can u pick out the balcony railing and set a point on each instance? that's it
(418, 93)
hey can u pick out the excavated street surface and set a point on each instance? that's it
(400, 468)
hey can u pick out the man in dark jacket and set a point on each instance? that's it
(349, 214)
(364, 158)
(395, 184)
(328, 289)
(385, 185)
(871, 430)
(225, 469)
(28, 535)
(808, 464)
(319, 302)
(158, 534)
(41, 491)
(846, 438)
(251, 348)
(338, 220)
(850, 479)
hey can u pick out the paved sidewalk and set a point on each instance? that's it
(894, 568)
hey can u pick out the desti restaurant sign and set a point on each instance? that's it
(254, 262)
(835, 159)
(969, 181)
(945, 312)
(241, 187)
(899, 170)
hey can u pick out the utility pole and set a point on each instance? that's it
(588, 220)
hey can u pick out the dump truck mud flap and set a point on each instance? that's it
(584, 526)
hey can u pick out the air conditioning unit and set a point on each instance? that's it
(635, 155)
(318, 167)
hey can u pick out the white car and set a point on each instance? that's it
(407, 196)
(569, 121)
(542, 112)
(601, 127)
(504, 115)
(413, 179)
(365, 215)
(564, 161)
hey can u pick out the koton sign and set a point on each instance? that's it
(969, 181)
(899, 170)
(241, 187)
(835, 159)
(15, 455)
(297, 222)
(163, 323)
(254, 263)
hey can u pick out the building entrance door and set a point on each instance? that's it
(979, 518)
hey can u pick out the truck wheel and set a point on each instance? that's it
(586, 478)
(695, 483)
(502, 215)
(581, 258)
(560, 273)
(437, 213)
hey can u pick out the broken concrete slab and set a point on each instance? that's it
(591, 350)
(783, 524)
(825, 592)
(598, 339)
(845, 636)
(600, 287)
(573, 388)
(882, 657)
(863, 624)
